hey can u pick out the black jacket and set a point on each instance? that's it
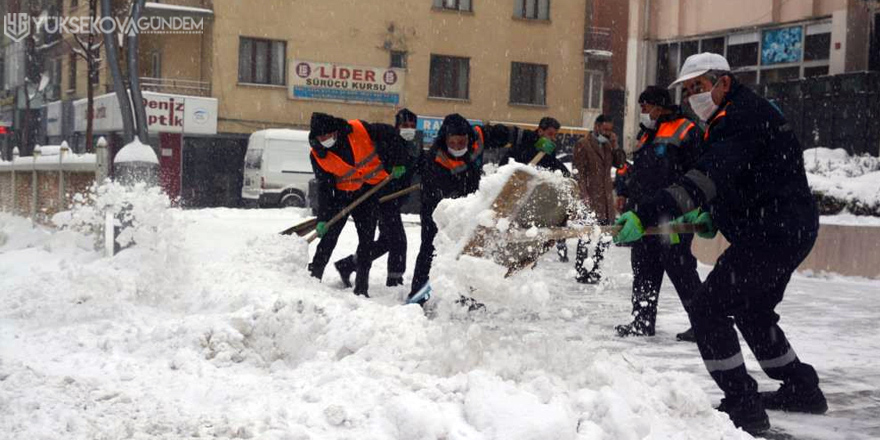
(439, 183)
(751, 177)
(412, 158)
(388, 146)
(656, 165)
(523, 150)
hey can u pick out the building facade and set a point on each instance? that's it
(765, 41)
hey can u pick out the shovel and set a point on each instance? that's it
(341, 214)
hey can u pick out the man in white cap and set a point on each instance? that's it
(749, 184)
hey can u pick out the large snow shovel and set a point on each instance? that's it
(525, 202)
(341, 214)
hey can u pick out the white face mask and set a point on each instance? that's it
(645, 119)
(408, 134)
(329, 143)
(457, 153)
(703, 105)
(602, 139)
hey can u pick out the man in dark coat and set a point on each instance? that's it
(349, 158)
(751, 185)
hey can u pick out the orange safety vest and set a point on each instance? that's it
(456, 166)
(367, 167)
(720, 115)
(670, 132)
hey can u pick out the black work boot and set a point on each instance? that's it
(634, 329)
(394, 281)
(314, 272)
(346, 267)
(796, 398)
(591, 277)
(686, 336)
(746, 413)
(361, 292)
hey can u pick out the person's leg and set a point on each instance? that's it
(562, 251)
(581, 253)
(681, 267)
(365, 218)
(325, 248)
(647, 266)
(426, 252)
(726, 291)
(759, 326)
(391, 228)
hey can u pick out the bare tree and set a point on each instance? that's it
(88, 48)
(111, 47)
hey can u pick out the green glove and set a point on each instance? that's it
(632, 228)
(398, 171)
(322, 229)
(698, 217)
(545, 145)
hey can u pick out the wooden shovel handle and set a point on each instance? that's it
(345, 211)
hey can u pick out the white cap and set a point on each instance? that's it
(699, 65)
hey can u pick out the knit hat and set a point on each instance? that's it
(656, 95)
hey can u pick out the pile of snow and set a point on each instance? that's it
(136, 151)
(844, 183)
(221, 333)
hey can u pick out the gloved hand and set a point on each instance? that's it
(322, 229)
(698, 217)
(545, 145)
(632, 228)
(398, 171)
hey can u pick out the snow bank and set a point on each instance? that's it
(211, 327)
(844, 183)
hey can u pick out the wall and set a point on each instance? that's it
(846, 250)
(354, 32)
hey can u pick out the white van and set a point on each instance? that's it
(277, 169)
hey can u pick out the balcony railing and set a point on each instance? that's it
(176, 86)
(597, 39)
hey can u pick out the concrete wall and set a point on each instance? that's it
(681, 18)
(355, 32)
(846, 250)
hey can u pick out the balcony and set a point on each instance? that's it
(597, 42)
(176, 86)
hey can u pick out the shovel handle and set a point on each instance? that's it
(400, 193)
(566, 233)
(537, 158)
(345, 211)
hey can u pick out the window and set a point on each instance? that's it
(156, 65)
(594, 82)
(261, 61)
(714, 45)
(810, 72)
(528, 84)
(817, 44)
(770, 76)
(667, 63)
(532, 9)
(449, 77)
(742, 50)
(71, 72)
(398, 59)
(456, 5)
(688, 48)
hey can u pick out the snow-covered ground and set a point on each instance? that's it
(844, 177)
(212, 329)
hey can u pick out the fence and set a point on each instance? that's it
(44, 184)
(840, 111)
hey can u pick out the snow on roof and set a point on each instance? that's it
(178, 8)
(136, 152)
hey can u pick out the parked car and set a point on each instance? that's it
(277, 169)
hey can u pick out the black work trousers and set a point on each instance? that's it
(392, 240)
(651, 257)
(743, 289)
(365, 219)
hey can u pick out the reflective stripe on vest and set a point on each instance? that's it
(720, 115)
(673, 132)
(456, 166)
(367, 167)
